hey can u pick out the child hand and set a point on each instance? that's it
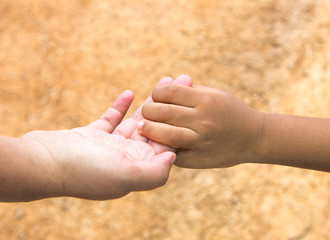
(211, 128)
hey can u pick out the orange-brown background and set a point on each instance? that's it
(62, 63)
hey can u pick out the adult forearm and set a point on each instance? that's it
(25, 172)
(295, 141)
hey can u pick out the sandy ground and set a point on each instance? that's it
(62, 63)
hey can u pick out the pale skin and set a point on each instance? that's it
(105, 160)
(214, 129)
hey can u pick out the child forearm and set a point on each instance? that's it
(26, 173)
(295, 141)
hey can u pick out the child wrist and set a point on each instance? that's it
(257, 139)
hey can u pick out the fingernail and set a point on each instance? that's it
(140, 126)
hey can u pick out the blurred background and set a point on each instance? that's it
(63, 62)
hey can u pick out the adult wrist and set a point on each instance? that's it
(45, 179)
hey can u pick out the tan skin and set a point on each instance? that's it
(106, 159)
(214, 129)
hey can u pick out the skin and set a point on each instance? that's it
(105, 160)
(214, 129)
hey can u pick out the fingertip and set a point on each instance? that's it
(172, 158)
(145, 108)
(128, 92)
(167, 157)
(186, 76)
(184, 80)
(128, 95)
(165, 81)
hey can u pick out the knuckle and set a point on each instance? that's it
(172, 90)
(206, 125)
(175, 137)
(207, 140)
(208, 100)
(206, 121)
(164, 92)
(165, 112)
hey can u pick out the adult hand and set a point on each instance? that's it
(106, 159)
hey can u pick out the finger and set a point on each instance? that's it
(176, 94)
(177, 137)
(128, 127)
(125, 128)
(170, 114)
(163, 82)
(154, 173)
(183, 80)
(137, 116)
(114, 115)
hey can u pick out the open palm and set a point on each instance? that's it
(108, 158)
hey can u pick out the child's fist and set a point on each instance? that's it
(211, 128)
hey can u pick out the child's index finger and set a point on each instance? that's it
(176, 94)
